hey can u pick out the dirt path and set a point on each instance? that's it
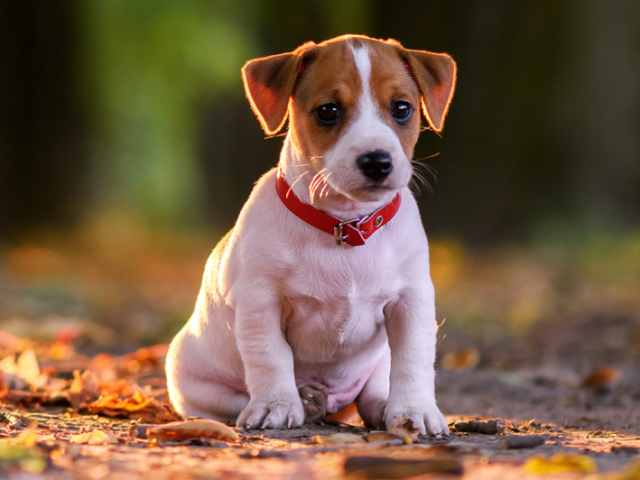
(604, 428)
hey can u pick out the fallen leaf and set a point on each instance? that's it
(95, 437)
(404, 429)
(20, 372)
(27, 438)
(630, 472)
(465, 359)
(384, 437)
(384, 467)
(192, 429)
(27, 458)
(514, 442)
(603, 379)
(28, 368)
(487, 427)
(112, 401)
(83, 389)
(337, 439)
(561, 463)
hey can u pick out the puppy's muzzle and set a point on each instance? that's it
(375, 165)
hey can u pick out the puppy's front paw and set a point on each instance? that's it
(426, 420)
(272, 414)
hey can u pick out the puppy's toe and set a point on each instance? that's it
(436, 423)
(314, 398)
(252, 416)
(425, 420)
(284, 415)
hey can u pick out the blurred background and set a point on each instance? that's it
(127, 149)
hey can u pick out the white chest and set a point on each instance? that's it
(333, 309)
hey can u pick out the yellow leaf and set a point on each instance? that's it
(404, 429)
(27, 438)
(338, 439)
(28, 366)
(95, 437)
(560, 463)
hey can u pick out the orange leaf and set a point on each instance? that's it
(192, 429)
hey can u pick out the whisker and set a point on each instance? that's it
(418, 180)
(316, 185)
(425, 158)
(428, 168)
(326, 184)
(299, 165)
(294, 182)
(314, 180)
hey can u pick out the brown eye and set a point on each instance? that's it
(401, 111)
(328, 113)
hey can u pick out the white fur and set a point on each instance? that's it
(282, 305)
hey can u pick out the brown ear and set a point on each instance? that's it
(435, 74)
(269, 83)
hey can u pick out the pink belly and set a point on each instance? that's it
(341, 395)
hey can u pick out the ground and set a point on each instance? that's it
(545, 338)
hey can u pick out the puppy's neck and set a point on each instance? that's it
(310, 185)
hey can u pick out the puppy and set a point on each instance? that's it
(324, 282)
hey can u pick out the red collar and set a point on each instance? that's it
(353, 232)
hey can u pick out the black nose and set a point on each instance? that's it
(376, 165)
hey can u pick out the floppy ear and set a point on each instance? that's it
(435, 74)
(269, 83)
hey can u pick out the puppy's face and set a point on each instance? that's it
(355, 113)
(354, 105)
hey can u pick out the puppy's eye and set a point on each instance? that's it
(401, 111)
(328, 113)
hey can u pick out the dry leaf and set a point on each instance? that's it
(27, 438)
(630, 472)
(382, 467)
(561, 463)
(338, 439)
(26, 458)
(603, 379)
(384, 437)
(465, 359)
(95, 437)
(192, 429)
(83, 389)
(404, 429)
(112, 401)
(515, 442)
(28, 366)
(488, 427)
(17, 372)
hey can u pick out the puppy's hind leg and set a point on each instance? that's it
(200, 398)
(373, 398)
(314, 401)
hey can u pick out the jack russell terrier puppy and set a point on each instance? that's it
(322, 289)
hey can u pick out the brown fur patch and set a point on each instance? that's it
(332, 77)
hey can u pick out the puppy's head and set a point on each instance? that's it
(354, 107)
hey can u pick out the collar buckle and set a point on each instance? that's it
(338, 231)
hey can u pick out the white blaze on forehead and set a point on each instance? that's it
(366, 103)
